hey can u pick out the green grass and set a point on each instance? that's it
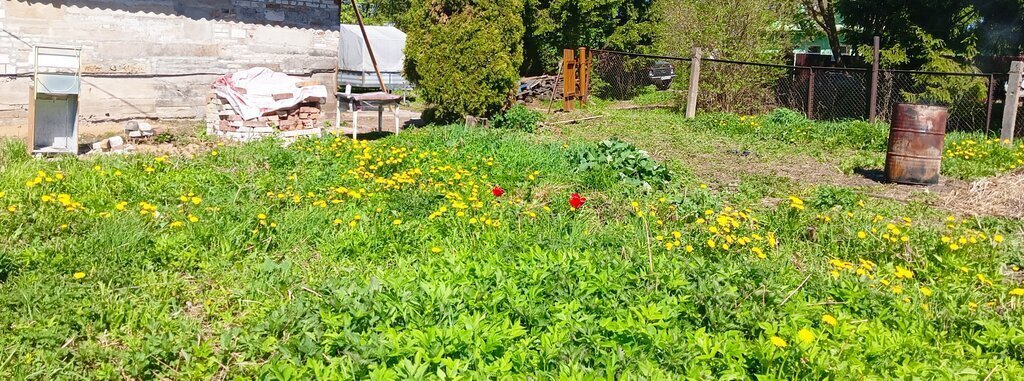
(849, 145)
(393, 260)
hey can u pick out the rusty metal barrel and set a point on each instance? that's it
(916, 140)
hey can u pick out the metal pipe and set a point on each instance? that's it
(989, 101)
(873, 97)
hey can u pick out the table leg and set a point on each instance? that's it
(380, 118)
(337, 117)
(398, 121)
(355, 121)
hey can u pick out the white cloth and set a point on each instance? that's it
(251, 92)
(388, 47)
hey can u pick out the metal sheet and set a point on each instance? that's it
(56, 129)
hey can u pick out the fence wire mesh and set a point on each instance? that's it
(822, 93)
(643, 79)
(965, 95)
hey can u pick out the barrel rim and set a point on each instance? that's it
(905, 104)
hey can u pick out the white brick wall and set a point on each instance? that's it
(164, 37)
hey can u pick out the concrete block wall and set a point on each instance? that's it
(156, 59)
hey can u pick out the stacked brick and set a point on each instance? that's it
(304, 119)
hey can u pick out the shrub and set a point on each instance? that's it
(632, 165)
(464, 56)
(518, 118)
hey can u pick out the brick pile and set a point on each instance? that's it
(304, 119)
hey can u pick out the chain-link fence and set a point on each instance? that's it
(821, 93)
(623, 76)
(965, 95)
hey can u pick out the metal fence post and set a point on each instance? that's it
(691, 99)
(810, 94)
(989, 100)
(873, 98)
(1013, 94)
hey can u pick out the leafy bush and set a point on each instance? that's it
(746, 30)
(632, 165)
(518, 118)
(464, 56)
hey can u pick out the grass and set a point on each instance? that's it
(784, 134)
(392, 259)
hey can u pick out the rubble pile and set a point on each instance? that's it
(115, 144)
(540, 88)
(303, 119)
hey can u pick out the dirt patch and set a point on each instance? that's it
(998, 196)
(723, 167)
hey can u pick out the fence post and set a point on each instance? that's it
(873, 97)
(691, 99)
(584, 77)
(989, 100)
(1013, 94)
(810, 94)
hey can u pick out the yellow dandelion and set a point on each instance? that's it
(435, 249)
(779, 342)
(79, 275)
(902, 273)
(805, 336)
(1017, 292)
(926, 291)
(829, 319)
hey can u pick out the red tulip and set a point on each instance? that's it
(576, 201)
(497, 191)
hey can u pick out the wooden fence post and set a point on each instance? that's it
(691, 99)
(584, 77)
(1013, 94)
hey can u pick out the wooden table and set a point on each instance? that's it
(356, 102)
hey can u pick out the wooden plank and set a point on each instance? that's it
(30, 138)
(1013, 94)
(584, 76)
(569, 84)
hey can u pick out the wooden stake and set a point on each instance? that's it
(366, 38)
(551, 99)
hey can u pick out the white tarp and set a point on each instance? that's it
(251, 92)
(388, 47)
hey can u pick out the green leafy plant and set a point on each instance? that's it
(518, 118)
(632, 165)
(165, 137)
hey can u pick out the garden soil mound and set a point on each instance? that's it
(996, 196)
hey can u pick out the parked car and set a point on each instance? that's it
(661, 73)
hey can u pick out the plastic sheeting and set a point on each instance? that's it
(388, 47)
(251, 92)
